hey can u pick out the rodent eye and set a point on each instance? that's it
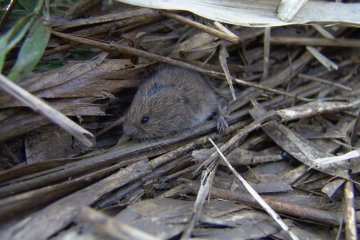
(145, 119)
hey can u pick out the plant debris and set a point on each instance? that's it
(287, 166)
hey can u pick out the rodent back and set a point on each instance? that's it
(170, 100)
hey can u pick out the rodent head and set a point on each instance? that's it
(156, 111)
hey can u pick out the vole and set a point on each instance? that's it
(172, 99)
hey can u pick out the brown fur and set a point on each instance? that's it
(173, 99)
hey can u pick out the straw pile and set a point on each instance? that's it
(286, 167)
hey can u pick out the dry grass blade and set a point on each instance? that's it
(239, 135)
(110, 47)
(221, 34)
(47, 221)
(224, 29)
(272, 90)
(297, 145)
(293, 130)
(266, 207)
(321, 162)
(289, 8)
(53, 115)
(32, 199)
(330, 83)
(111, 228)
(355, 129)
(323, 42)
(298, 211)
(267, 35)
(259, 13)
(315, 108)
(323, 31)
(223, 55)
(6, 15)
(102, 19)
(350, 213)
(326, 62)
(81, 7)
(155, 57)
(207, 178)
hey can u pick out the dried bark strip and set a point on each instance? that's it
(105, 18)
(46, 222)
(299, 211)
(61, 173)
(18, 204)
(105, 158)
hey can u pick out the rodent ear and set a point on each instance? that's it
(155, 89)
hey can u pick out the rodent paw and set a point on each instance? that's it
(221, 124)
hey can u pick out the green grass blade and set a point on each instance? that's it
(31, 5)
(31, 51)
(13, 36)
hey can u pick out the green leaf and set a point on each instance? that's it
(31, 5)
(13, 36)
(31, 51)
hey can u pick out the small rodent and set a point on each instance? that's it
(172, 99)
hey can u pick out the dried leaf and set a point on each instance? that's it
(259, 13)
(298, 146)
(289, 8)
(330, 188)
